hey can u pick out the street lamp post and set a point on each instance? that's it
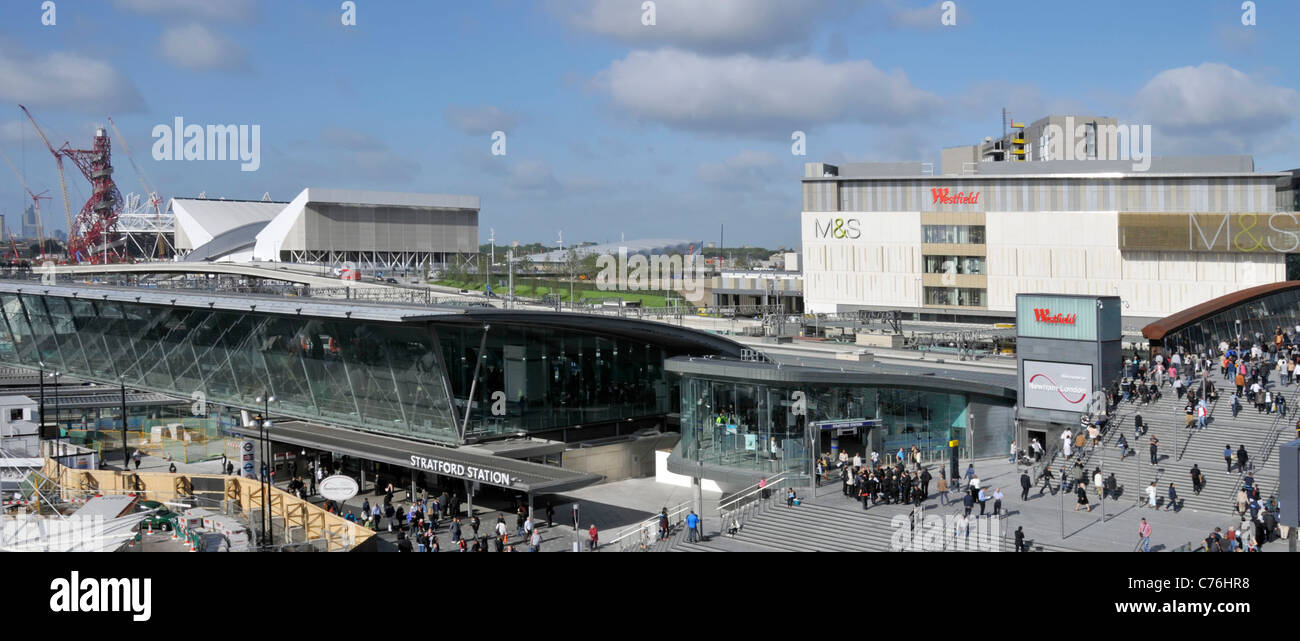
(42, 424)
(57, 433)
(263, 423)
(125, 455)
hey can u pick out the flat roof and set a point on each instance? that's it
(876, 374)
(243, 303)
(1161, 167)
(389, 199)
(418, 455)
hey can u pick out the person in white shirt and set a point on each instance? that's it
(857, 460)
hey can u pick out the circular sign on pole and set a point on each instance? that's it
(338, 488)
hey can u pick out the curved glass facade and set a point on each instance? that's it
(1254, 321)
(540, 378)
(378, 376)
(754, 425)
(409, 378)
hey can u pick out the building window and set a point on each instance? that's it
(956, 264)
(15, 415)
(956, 296)
(953, 234)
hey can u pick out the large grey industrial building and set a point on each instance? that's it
(370, 229)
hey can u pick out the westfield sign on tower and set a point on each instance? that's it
(1046, 316)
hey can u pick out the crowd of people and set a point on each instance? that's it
(417, 522)
(1257, 525)
(872, 481)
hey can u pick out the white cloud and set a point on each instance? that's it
(927, 17)
(197, 48)
(1213, 107)
(1216, 96)
(482, 119)
(744, 93)
(66, 80)
(707, 25)
(210, 9)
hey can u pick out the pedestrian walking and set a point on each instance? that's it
(943, 488)
(1227, 457)
(1242, 458)
(1155, 450)
(1020, 540)
(1025, 484)
(1151, 495)
(1144, 534)
(1173, 499)
(693, 527)
(997, 501)
(1081, 498)
(1047, 481)
(593, 536)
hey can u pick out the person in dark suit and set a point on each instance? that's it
(1020, 540)
(1025, 484)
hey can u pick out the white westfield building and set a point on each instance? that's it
(961, 243)
(370, 229)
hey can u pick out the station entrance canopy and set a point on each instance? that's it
(523, 476)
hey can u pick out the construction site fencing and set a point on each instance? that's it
(184, 440)
(298, 521)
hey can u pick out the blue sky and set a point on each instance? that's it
(614, 127)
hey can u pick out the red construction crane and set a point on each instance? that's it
(14, 245)
(36, 201)
(96, 223)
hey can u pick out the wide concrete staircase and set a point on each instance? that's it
(831, 525)
(1181, 447)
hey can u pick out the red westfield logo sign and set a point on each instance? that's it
(944, 197)
(1046, 316)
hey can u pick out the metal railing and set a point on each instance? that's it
(646, 533)
(749, 501)
(1269, 444)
